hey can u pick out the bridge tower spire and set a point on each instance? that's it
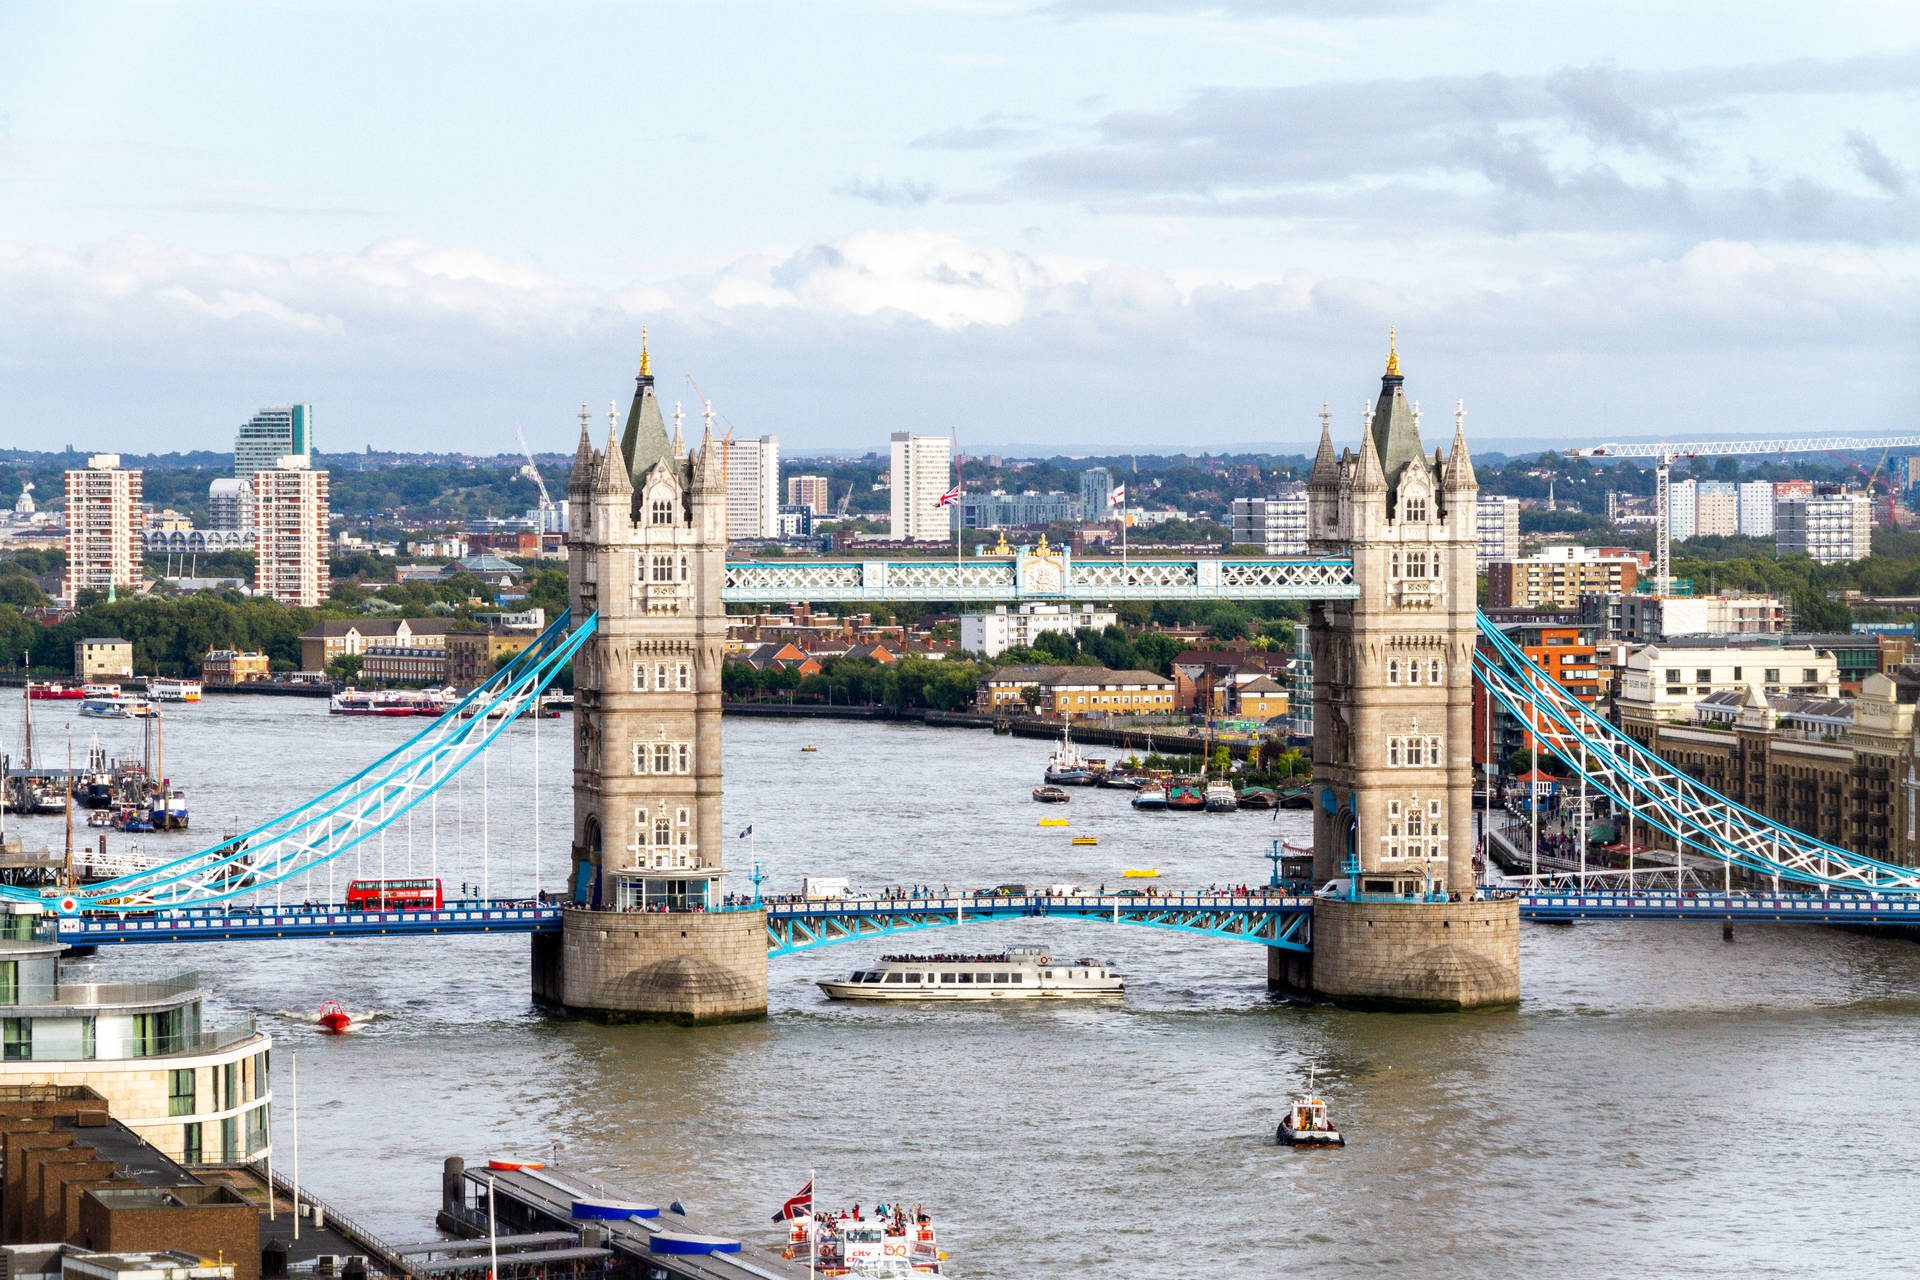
(1393, 728)
(644, 936)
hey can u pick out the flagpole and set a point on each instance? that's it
(813, 1226)
(959, 508)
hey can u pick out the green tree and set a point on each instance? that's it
(345, 667)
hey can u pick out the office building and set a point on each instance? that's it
(230, 505)
(994, 633)
(1557, 577)
(1277, 525)
(103, 527)
(1716, 509)
(1002, 510)
(1620, 616)
(1498, 520)
(1662, 682)
(1756, 508)
(811, 492)
(921, 473)
(1096, 494)
(195, 1092)
(273, 434)
(1831, 525)
(753, 488)
(290, 535)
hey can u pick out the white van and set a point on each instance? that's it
(1337, 888)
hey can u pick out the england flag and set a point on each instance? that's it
(1118, 498)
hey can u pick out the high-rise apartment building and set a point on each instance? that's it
(1756, 508)
(753, 488)
(811, 492)
(230, 505)
(1683, 508)
(922, 471)
(103, 526)
(1096, 493)
(1278, 525)
(1832, 525)
(1716, 509)
(1557, 577)
(290, 509)
(1498, 522)
(273, 434)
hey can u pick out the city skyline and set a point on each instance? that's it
(1195, 226)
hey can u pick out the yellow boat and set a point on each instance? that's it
(1085, 840)
(1136, 873)
(1053, 822)
(809, 748)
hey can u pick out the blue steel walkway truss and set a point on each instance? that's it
(1284, 922)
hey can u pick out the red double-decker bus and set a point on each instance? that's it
(394, 895)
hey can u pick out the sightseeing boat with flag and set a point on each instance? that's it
(895, 1241)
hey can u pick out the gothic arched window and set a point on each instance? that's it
(1417, 510)
(662, 511)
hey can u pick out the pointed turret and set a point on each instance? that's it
(1460, 477)
(1326, 467)
(1368, 476)
(1396, 429)
(580, 480)
(614, 476)
(644, 442)
(706, 472)
(679, 441)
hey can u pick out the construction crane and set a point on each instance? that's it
(1872, 478)
(532, 473)
(1665, 454)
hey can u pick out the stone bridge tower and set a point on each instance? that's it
(1393, 726)
(647, 538)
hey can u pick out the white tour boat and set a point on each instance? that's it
(163, 689)
(897, 1246)
(1019, 973)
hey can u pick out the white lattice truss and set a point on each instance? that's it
(1695, 816)
(1001, 581)
(336, 821)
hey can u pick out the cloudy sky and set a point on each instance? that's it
(1061, 224)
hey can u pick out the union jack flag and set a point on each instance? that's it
(798, 1205)
(950, 497)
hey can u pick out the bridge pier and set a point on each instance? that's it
(675, 966)
(1379, 954)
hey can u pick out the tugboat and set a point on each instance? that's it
(1152, 796)
(332, 1017)
(1050, 795)
(1306, 1123)
(1066, 767)
(1220, 797)
(1186, 794)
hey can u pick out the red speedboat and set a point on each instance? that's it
(332, 1017)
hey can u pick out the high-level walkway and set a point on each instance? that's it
(1282, 920)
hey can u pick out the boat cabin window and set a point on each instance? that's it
(966, 977)
(894, 977)
(913, 977)
(1000, 977)
(857, 976)
(1019, 977)
(946, 977)
(871, 977)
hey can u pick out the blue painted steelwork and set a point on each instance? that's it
(1037, 576)
(344, 816)
(1664, 798)
(1758, 906)
(234, 923)
(1283, 922)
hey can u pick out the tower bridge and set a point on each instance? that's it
(643, 929)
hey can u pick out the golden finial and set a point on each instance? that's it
(1393, 356)
(646, 361)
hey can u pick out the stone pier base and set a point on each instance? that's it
(636, 967)
(1415, 955)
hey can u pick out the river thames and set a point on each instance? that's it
(1661, 1102)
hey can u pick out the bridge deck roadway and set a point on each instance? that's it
(1278, 920)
